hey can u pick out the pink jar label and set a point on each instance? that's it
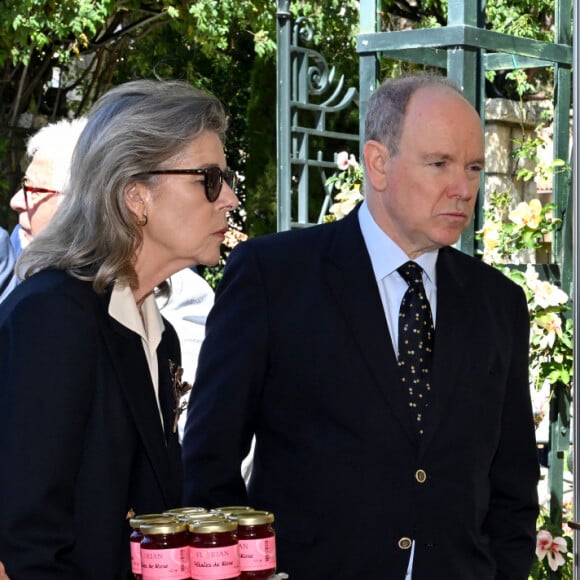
(215, 563)
(135, 557)
(166, 564)
(259, 554)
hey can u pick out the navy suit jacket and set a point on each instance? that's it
(297, 351)
(81, 440)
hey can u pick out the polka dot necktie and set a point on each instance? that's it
(416, 339)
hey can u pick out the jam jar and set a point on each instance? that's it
(136, 537)
(257, 542)
(214, 552)
(164, 551)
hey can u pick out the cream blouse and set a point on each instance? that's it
(147, 323)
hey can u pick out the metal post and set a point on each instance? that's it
(368, 63)
(464, 67)
(559, 412)
(575, 269)
(283, 173)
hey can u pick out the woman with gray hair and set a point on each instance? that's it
(90, 371)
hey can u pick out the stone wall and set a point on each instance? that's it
(508, 122)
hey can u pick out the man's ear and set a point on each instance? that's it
(376, 156)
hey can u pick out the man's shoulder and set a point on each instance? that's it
(304, 241)
(476, 271)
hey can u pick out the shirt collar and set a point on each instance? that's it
(386, 256)
(123, 308)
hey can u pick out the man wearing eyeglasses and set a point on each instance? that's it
(48, 152)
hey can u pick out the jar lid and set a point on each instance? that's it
(137, 521)
(186, 510)
(212, 526)
(253, 517)
(226, 509)
(155, 527)
(190, 518)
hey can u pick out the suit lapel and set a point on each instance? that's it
(126, 352)
(454, 319)
(351, 279)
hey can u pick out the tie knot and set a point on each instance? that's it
(412, 273)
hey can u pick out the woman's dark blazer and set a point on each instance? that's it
(81, 440)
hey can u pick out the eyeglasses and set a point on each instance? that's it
(28, 190)
(214, 178)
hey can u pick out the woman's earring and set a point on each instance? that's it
(142, 221)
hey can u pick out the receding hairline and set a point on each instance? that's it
(440, 88)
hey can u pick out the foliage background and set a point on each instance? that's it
(58, 56)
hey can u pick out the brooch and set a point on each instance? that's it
(179, 388)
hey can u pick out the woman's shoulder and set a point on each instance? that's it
(52, 290)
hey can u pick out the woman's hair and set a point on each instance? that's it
(388, 104)
(131, 129)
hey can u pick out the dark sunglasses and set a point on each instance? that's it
(28, 190)
(214, 178)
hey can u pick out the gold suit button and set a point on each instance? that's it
(405, 543)
(420, 476)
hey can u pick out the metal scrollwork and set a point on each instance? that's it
(319, 76)
(310, 90)
(303, 30)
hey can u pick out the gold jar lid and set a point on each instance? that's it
(230, 509)
(213, 526)
(186, 510)
(137, 521)
(155, 527)
(189, 518)
(253, 517)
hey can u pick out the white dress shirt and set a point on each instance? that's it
(386, 257)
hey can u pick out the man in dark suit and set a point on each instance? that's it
(369, 478)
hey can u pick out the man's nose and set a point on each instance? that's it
(464, 186)
(17, 201)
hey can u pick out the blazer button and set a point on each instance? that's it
(405, 543)
(420, 476)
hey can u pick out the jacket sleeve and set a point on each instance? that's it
(226, 392)
(48, 356)
(511, 522)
